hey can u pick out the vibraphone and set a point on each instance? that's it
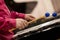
(38, 26)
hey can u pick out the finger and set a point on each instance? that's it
(21, 26)
(31, 16)
(25, 23)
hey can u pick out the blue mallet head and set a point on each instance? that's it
(54, 14)
(47, 14)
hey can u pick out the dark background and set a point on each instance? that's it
(19, 7)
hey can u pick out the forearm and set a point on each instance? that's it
(7, 24)
(17, 15)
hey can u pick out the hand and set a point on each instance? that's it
(21, 24)
(29, 17)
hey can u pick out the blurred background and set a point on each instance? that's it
(28, 7)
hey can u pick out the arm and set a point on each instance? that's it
(21, 15)
(7, 24)
(17, 15)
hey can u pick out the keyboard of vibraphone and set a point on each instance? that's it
(38, 21)
(41, 21)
